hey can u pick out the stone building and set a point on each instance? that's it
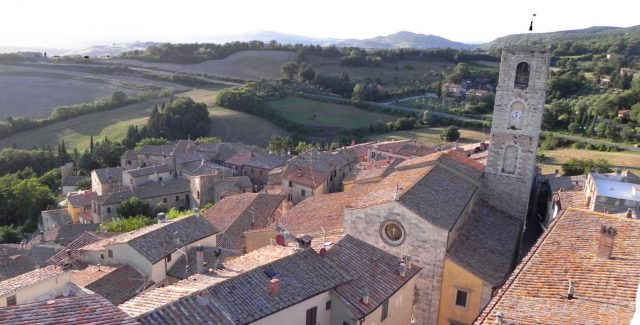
(430, 202)
(515, 128)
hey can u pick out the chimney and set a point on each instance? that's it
(572, 289)
(407, 261)
(274, 286)
(199, 259)
(402, 270)
(161, 217)
(605, 242)
(304, 241)
(365, 297)
(196, 211)
(629, 214)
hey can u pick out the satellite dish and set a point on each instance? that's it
(280, 240)
(323, 252)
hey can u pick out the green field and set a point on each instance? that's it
(317, 113)
(77, 131)
(555, 158)
(431, 136)
(391, 75)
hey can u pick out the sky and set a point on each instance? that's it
(73, 24)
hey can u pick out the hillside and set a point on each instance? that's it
(565, 35)
(405, 40)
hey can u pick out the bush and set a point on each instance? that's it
(174, 213)
(128, 224)
(451, 133)
(575, 166)
(133, 207)
(9, 235)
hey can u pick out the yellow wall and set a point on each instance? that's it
(454, 277)
(259, 239)
(73, 211)
(48, 288)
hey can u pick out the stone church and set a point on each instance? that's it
(460, 221)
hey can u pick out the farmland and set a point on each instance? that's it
(76, 131)
(431, 136)
(555, 158)
(316, 113)
(34, 92)
(392, 75)
(245, 65)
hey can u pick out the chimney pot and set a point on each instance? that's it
(200, 263)
(572, 289)
(365, 297)
(407, 261)
(629, 213)
(605, 242)
(196, 211)
(274, 286)
(402, 270)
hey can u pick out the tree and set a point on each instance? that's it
(133, 207)
(91, 145)
(576, 166)
(29, 198)
(208, 140)
(628, 134)
(289, 70)
(127, 224)
(280, 144)
(306, 73)
(183, 118)
(118, 98)
(84, 184)
(574, 127)
(451, 133)
(107, 153)
(151, 142)
(52, 179)
(9, 235)
(428, 118)
(359, 92)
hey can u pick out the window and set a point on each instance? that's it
(385, 311)
(510, 159)
(522, 75)
(128, 162)
(11, 300)
(168, 258)
(177, 198)
(392, 232)
(327, 306)
(102, 256)
(302, 193)
(198, 195)
(110, 252)
(290, 197)
(160, 179)
(290, 183)
(461, 298)
(311, 315)
(164, 200)
(108, 209)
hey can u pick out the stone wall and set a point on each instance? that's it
(425, 243)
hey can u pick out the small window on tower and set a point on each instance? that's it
(522, 75)
(510, 159)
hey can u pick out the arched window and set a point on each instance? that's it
(522, 75)
(510, 159)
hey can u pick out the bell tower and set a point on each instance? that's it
(515, 128)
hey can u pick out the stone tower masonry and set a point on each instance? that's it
(515, 129)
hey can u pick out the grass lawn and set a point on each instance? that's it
(317, 113)
(431, 136)
(555, 158)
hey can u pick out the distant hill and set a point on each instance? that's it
(406, 40)
(111, 50)
(393, 41)
(13, 49)
(565, 35)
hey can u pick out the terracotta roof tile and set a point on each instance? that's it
(536, 292)
(240, 158)
(390, 188)
(370, 268)
(29, 279)
(71, 251)
(81, 198)
(16, 260)
(150, 300)
(487, 244)
(76, 310)
(116, 284)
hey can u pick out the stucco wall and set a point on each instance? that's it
(297, 314)
(51, 287)
(425, 243)
(456, 277)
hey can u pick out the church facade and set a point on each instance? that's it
(433, 208)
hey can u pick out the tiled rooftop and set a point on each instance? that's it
(487, 243)
(157, 241)
(67, 232)
(117, 283)
(370, 268)
(390, 188)
(109, 174)
(16, 260)
(57, 216)
(244, 299)
(28, 279)
(605, 292)
(266, 161)
(71, 251)
(72, 180)
(145, 171)
(81, 198)
(76, 310)
(158, 297)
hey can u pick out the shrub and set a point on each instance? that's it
(451, 133)
(127, 224)
(575, 166)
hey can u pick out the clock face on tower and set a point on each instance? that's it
(516, 116)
